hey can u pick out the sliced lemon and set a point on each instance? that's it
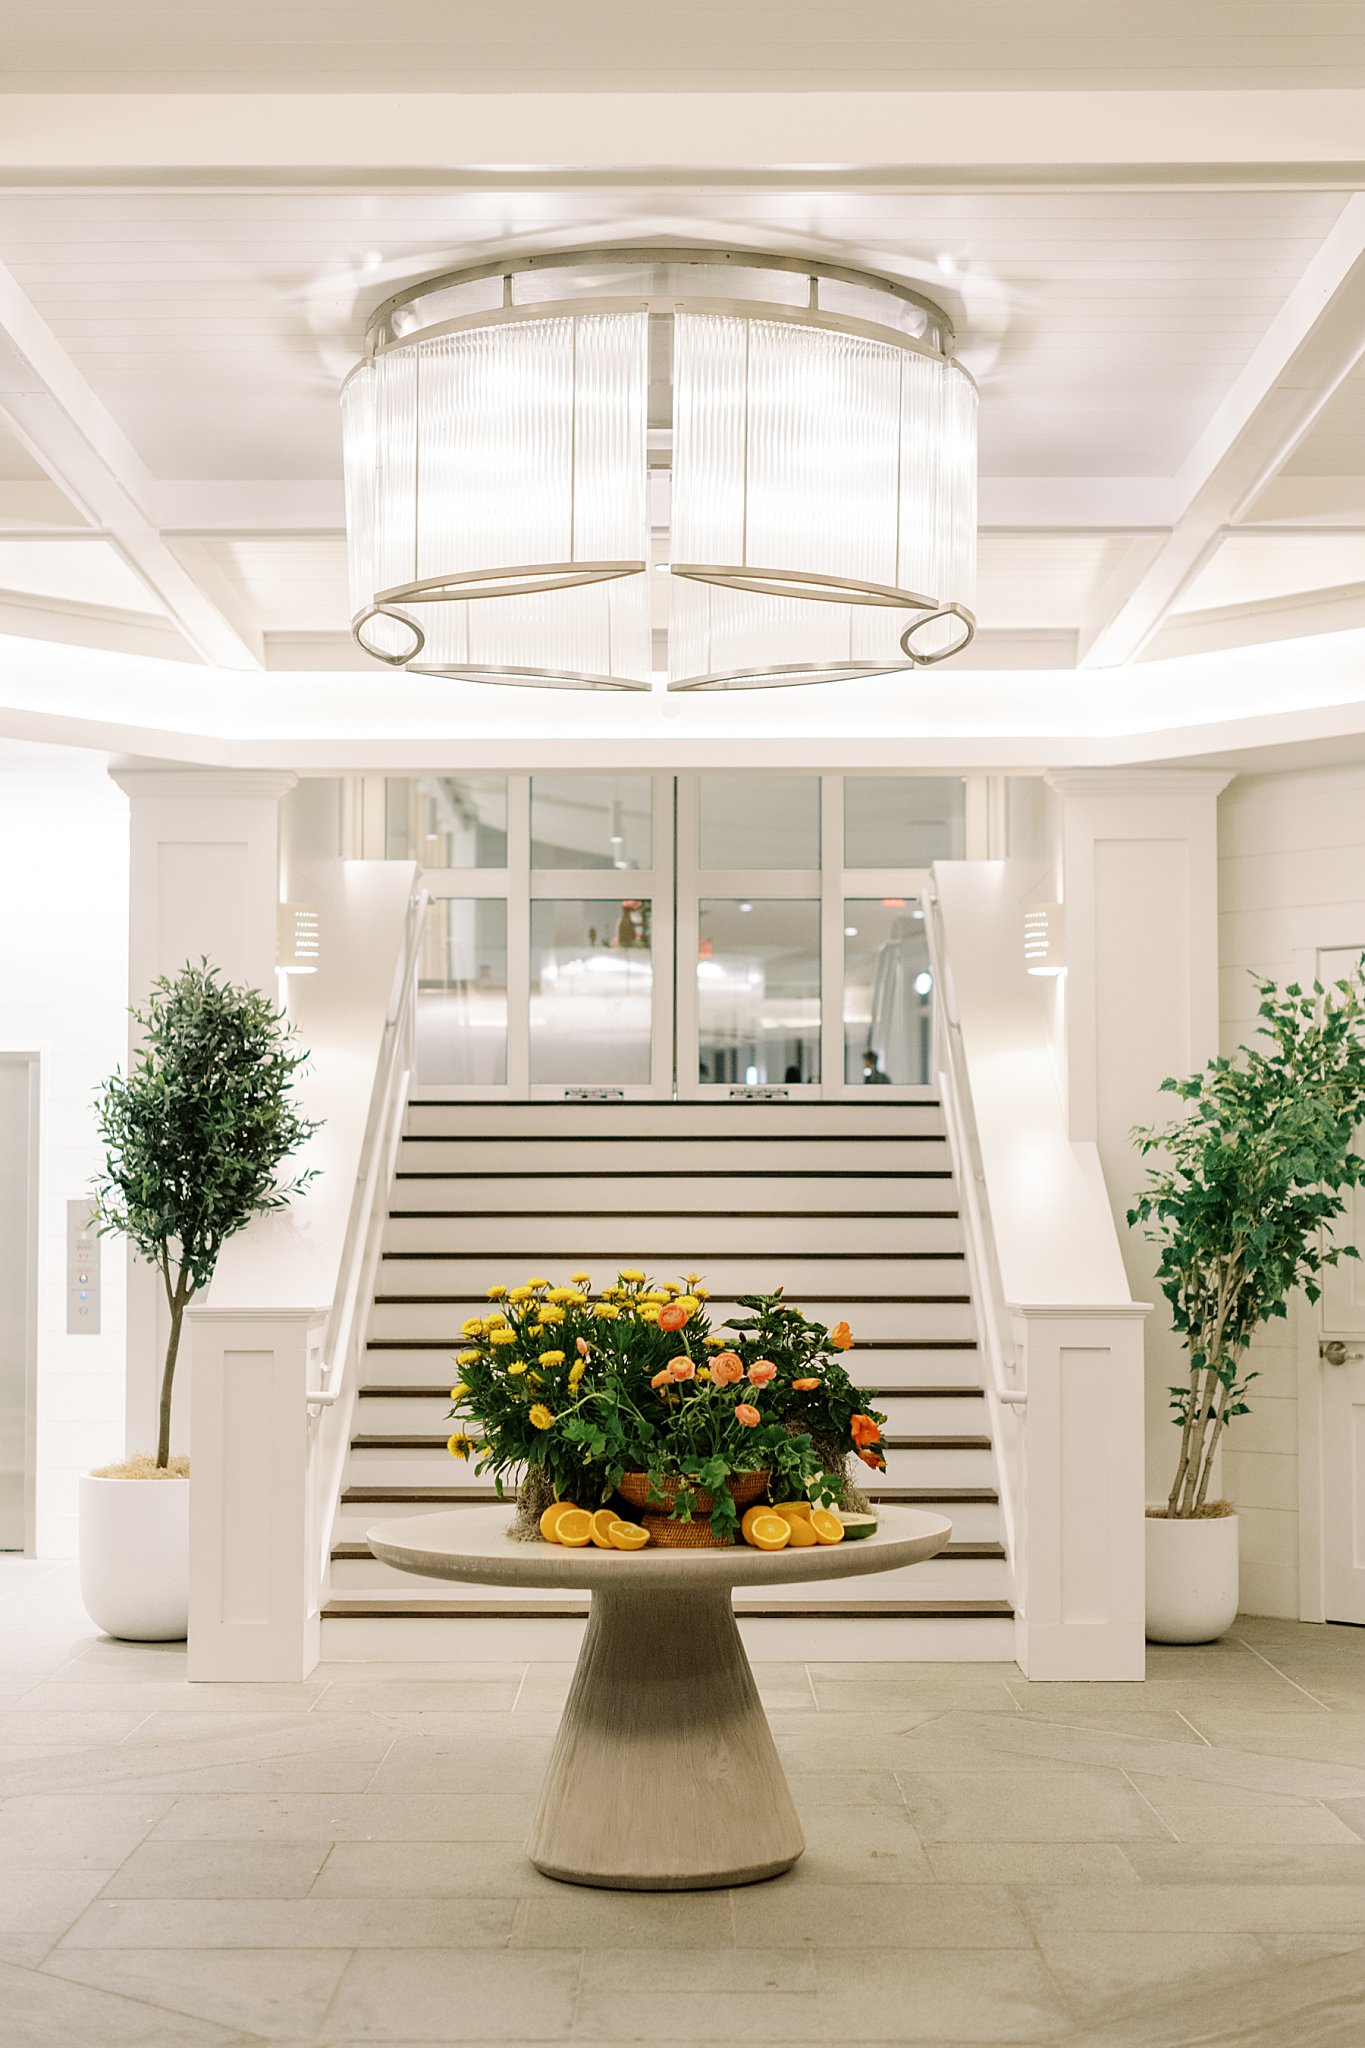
(828, 1528)
(628, 1536)
(769, 1532)
(549, 1521)
(601, 1528)
(574, 1528)
(793, 1507)
(802, 1536)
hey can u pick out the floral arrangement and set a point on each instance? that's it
(581, 1388)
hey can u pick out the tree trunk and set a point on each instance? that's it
(163, 1441)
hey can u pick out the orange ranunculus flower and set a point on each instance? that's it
(726, 1368)
(672, 1317)
(841, 1337)
(864, 1430)
(582, 1345)
(874, 1459)
(761, 1371)
(805, 1386)
(750, 1417)
(681, 1369)
(661, 1379)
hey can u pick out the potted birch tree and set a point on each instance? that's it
(195, 1135)
(1248, 1185)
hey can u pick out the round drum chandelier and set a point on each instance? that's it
(588, 470)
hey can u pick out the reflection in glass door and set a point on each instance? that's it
(646, 935)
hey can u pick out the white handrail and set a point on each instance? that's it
(333, 1400)
(983, 1271)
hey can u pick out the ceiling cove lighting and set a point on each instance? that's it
(791, 441)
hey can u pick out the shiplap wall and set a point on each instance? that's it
(1291, 878)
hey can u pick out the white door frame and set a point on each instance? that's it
(29, 1303)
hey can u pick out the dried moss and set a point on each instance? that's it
(1212, 1511)
(143, 1467)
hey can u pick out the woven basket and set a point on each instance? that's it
(667, 1531)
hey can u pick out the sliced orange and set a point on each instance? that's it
(574, 1528)
(793, 1507)
(828, 1528)
(769, 1532)
(601, 1528)
(802, 1536)
(628, 1536)
(550, 1519)
(750, 1516)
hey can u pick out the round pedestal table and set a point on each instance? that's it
(665, 1776)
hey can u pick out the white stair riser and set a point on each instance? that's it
(906, 1414)
(973, 1521)
(934, 1321)
(666, 1155)
(778, 1639)
(964, 1578)
(433, 1468)
(494, 1120)
(606, 1244)
(927, 1368)
(681, 1199)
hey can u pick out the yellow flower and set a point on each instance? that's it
(537, 1283)
(533, 1329)
(580, 1279)
(549, 1358)
(578, 1300)
(458, 1393)
(630, 1273)
(473, 1328)
(460, 1445)
(606, 1311)
(497, 1294)
(703, 1372)
(576, 1372)
(467, 1357)
(502, 1336)
(520, 1294)
(650, 1312)
(689, 1302)
(712, 1343)
(494, 1322)
(657, 1300)
(670, 1287)
(541, 1418)
(702, 1293)
(560, 1294)
(693, 1278)
(518, 1365)
(551, 1312)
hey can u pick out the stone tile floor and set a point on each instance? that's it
(338, 1862)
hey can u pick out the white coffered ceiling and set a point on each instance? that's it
(1146, 221)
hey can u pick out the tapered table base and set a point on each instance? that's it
(665, 1776)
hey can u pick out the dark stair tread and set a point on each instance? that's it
(754, 1137)
(483, 1497)
(855, 1104)
(527, 1610)
(680, 1215)
(440, 1391)
(682, 1173)
(451, 1343)
(467, 1300)
(891, 1252)
(892, 1443)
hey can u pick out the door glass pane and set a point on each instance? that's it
(462, 992)
(591, 821)
(886, 993)
(592, 988)
(446, 821)
(758, 992)
(759, 821)
(902, 821)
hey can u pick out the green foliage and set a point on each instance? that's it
(587, 1388)
(1250, 1180)
(195, 1134)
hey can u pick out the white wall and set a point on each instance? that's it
(63, 994)
(1291, 878)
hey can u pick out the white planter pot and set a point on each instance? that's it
(135, 1557)
(1191, 1579)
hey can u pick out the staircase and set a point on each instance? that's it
(850, 1207)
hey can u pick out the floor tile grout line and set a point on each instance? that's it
(1127, 1778)
(1283, 1674)
(320, 2030)
(313, 1881)
(1190, 1725)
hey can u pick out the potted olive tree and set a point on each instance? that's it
(1247, 1186)
(194, 1135)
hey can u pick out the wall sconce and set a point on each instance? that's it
(298, 938)
(1045, 939)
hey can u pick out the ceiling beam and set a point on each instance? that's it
(71, 434)
(1312, 345)
(1293, 136)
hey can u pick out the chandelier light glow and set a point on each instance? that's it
(792, 443)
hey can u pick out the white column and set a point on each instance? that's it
(1079, 1603)
(254, 1541)
(204, 883)
(1140, 878)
